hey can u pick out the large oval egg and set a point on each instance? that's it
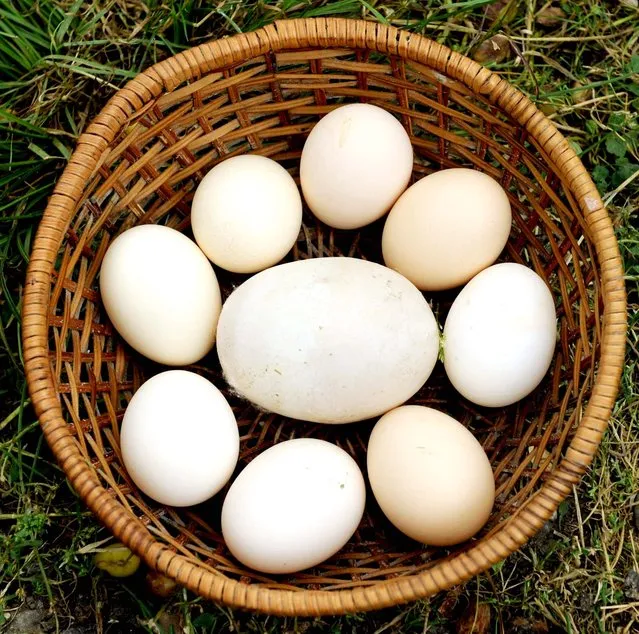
(179, 439)
(430, 476)
(161, 294)
(500, 335)
(293, 506)
(328, 340)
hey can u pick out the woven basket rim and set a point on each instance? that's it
(291, 35)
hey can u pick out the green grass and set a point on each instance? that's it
(61, 60)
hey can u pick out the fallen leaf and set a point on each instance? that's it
(526, 626)
(170, 622)
(160, 585)
(550, 16)
(631, 586)
(503, 11)
(475, 620)
(582, 94)
(117, 560)
(447, 608)
(547, 108)
(496, 49)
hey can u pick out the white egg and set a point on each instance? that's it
(179, 439)
(329, 340)
(293, 506)
(446, 228)
(500, 335)
(355, 163)
(161, 294)
(246, 213)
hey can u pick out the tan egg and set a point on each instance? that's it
(446, 228)
(430, 476)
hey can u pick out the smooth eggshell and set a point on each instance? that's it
(329, 340)
(355, 163)
(161, 294)
(446, 228)
(430, 476)
(500, 335)
(246, 213)
(293, 506)
(179, 439)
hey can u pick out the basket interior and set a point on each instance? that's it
(267, 105)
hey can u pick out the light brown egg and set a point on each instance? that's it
(430, 476)
(446, 228)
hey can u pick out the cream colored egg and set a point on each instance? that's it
(161, 294)
(293, 506)
(355, 163)
(430, 476)
(179, 439)
(500, 335)
(246, 213)
(446, 228)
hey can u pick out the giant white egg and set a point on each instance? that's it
(329, 340)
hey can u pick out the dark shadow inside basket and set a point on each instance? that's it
(267, 105)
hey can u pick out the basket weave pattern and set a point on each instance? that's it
(140, 161)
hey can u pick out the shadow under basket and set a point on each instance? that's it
(140, 161)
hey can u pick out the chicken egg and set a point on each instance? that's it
(355, 163)
(446, 228)
(429, 475)
(246, 213)
(500, 335)
(179, 439)
(161, 294)
(293, 506)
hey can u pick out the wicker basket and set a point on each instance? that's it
(261, 92)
